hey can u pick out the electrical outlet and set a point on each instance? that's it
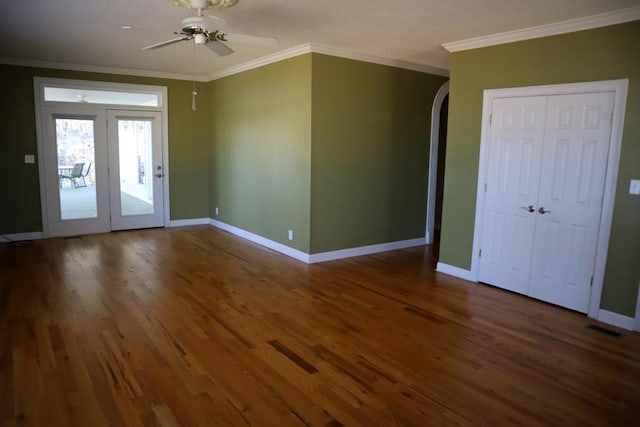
(634, 187)
(217, 211)
(29, 159)
(290, 234)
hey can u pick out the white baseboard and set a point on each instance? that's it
(454, 271)
(365, 250)
(36, 235)
(278, 247)
(320, 257)
(616, 319)
(429, 238)
(189, 222)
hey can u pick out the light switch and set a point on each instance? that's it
(634, 188)
(29, 159)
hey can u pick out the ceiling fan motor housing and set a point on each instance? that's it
(205, 30)
(196, 25)
(204, 4)
(202, 29)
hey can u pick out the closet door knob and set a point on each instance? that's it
(529, 208)
(543, 211)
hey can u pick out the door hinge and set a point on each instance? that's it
(490, 119)
(485, 187)
(591, 282)
(480, 254)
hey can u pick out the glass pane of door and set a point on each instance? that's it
(75, 145)
(135, 166)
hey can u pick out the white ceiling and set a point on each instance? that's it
(88, 32)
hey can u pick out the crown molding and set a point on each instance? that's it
(98, 69)
(262, 61)
(579, 24)
(325, 50)
(236, 69)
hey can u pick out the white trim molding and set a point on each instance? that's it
(261, 62)
(638, 310)
(616, 319)
(454, 271)
(325, 50)
(319, 257)
(236, 69)
(189, 222)
(103, 69)
(17, 237)
(262, 241)
(619, 88)
(579, 24)
(434, 146)
(365, 250)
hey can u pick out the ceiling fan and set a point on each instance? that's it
(205, 29)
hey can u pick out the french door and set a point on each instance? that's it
(103, 169)
(135, 169)
(545, 185)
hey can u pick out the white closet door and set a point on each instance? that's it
(576, 146)
(515, 155)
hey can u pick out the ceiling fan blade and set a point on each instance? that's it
(167, 43)
(139, 29)
(219, 48)
(246, 39)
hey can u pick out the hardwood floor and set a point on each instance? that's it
(194, 326)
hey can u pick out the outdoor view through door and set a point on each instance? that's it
(76, 155)
(136, 167)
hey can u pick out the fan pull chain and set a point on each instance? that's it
(193, 91)
(193, 97)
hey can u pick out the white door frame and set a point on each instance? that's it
(434, 145)
(619, 87)
(638, 310)
(39, 83)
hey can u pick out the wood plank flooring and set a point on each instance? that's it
(196, 327)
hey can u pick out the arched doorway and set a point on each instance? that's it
(439, 115)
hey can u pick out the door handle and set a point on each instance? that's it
(529, 208)
(159, 175)
(543, 211)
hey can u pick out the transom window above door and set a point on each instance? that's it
(89, 96)
(51, 90)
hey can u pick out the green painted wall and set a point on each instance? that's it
(370, 150)
(260, 150)
(599, 54)
(188, 146)
(334, 149)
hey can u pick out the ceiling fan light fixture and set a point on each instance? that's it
(200, 38)
(204, 4)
